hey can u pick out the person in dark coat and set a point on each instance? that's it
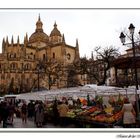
(24, 112)
(30, 109)
(5, 113)
(0, 112)
(11, 108)
(55, 113)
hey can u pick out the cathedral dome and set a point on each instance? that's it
(38, 35)
(55, 31)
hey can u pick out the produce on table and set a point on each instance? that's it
(108, 115)
(109, 110)
(71, 114)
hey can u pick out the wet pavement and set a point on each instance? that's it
(17, 123)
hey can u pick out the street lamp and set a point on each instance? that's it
(122, 38)
(38, 72)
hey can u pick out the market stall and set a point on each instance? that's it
(105, 113)
(96, 117)
(85, 113)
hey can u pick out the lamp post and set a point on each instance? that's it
(38, 72)
(122, 38)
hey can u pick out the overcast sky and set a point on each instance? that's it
(92, 27)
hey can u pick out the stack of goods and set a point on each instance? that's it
(108, 115)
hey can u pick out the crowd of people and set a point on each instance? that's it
(23, 110)
(36, 111)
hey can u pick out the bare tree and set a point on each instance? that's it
(72, 80)
(105, 56)
(49, 70)
(93, 71)
(11, 87)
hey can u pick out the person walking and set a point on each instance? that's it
(30, 109)
(129, 115)
(39, 115)
(11, 108)
(5, 113)
(24, 112)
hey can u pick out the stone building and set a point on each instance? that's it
(20, 63)
(122, 71)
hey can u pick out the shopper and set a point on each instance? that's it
(24, 112)
(11, 108)
(55, 113)
(63, 109)
(39, 115)
(5, 113)
(129, 115)
(30, 109)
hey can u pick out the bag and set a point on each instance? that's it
(9, 121)
(15, 115)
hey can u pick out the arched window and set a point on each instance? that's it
(44, 56)
(13, 66)
(14, 55)
(53, 55)
(8, 76)
(27, 66)
(31, 56)
(68, 56)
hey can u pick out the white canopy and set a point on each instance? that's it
(91, 90)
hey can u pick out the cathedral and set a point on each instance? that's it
(39, 62)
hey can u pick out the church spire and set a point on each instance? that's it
(7, 42)
(3, 45)
(39, 25)
(3, 41)
(26, 39)
(39, 17)
(77, 51)
(18, 39)
(77, 44)
(63, 38)
(12, 40)
(55, 25)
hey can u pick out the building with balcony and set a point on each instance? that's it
(122, 69)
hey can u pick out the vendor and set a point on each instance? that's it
(63, 109)
(70, 103)
(55, 112)
(129, 115)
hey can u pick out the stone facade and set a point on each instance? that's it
(122, 71)
(19, 61)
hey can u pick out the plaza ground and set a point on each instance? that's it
(30, 124)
